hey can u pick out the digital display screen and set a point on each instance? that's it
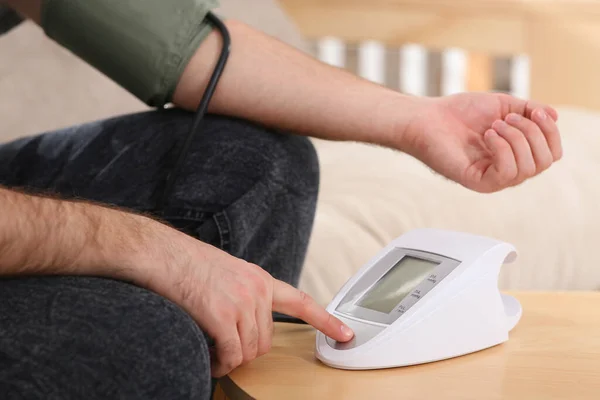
(396, 284)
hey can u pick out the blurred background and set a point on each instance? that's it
(548, 50)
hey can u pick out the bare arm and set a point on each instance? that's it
(484, 141)
(40, 235)
(272, 83)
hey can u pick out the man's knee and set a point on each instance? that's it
(268, 184)
(227, 157)
(106, 339)
(243, 154)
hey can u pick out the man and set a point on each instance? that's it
(108, 293)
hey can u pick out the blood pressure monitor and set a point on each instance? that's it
(429, 295)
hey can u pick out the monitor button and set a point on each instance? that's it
(363, 332)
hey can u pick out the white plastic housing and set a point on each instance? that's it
(464, 313)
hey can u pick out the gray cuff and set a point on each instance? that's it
(143, 45)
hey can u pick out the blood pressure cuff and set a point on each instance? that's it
(142, 45)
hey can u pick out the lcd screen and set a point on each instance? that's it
(396, 284)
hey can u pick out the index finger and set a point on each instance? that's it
(291, 301)
(533, 105)
(526, 108)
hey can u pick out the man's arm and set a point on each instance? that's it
(47, 236)
(272, 83)
(464, 137)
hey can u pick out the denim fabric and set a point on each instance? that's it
(248, 190)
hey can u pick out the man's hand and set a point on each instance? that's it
(484, 141)
(230, 299)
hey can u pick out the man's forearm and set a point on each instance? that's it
(269, 82)
(40, 235)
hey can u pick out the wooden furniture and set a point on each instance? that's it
(554, 353)
(560, 37)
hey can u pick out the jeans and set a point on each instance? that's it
(243, 188)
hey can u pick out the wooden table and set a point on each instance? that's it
(554, 353)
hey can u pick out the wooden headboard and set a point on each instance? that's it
(561, 38)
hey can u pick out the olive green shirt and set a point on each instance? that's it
(143, 45)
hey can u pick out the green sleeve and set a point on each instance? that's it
(143, 45)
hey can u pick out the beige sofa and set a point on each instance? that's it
(368, 195)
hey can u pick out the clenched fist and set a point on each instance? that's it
(483, 141)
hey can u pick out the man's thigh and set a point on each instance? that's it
(117, 161)
(92, 338)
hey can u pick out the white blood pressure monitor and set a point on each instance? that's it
(429, 295)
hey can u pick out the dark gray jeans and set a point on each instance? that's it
(245, 189)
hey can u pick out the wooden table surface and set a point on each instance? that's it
(553, 353)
